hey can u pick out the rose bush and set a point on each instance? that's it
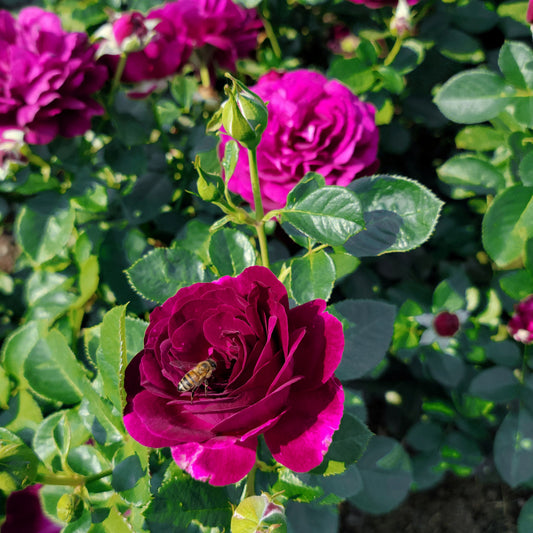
(314, 125)
(521, 324)
(376, 4)
(47, 77)
(274, 376)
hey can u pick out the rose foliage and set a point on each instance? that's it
(273, 376)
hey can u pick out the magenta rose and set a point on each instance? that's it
(24, 513)
(521, 324)
(219, 31)
(314, 125)
(273, 376)
(159, 48)
(47, 77)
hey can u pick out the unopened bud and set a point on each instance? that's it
(401, 22)
(69, 507)
(244, 114)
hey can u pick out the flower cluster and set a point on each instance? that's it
(47, 77)
(521, 324)
(314, 125)
(216, 32)
(268, 370)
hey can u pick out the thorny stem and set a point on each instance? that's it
(258, 202)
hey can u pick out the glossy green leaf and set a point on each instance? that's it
(329, 215)
(473, 96)
(44, 226)
(297, 488)
(505, 353)
(498, 384)
(472, 173)
(513, 448)
(112, 356)
(515, 62)
(368, 327)
(354, 73)
(525, 518)
(162, 272)
(508, 224)
(135, 330)
(400, 214)
(197, 501)
(231, 157)
(445, 368)
(518, 284)
(312, 276)
(525, 169)
(386, 474)
(231, 252)
(480, 138)
(311, 182)
(258, 513)
(127, 473)
(18, 462)
(425, 436)
(460, 46)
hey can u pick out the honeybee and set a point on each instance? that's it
(196, 376)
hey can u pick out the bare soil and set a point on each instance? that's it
(457, 505)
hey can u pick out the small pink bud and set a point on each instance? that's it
(521, 324)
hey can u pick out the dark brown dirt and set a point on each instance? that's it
(455, 506)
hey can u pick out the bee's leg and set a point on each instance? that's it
(192, 394)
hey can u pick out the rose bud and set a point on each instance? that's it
(446, 324)
(521, 324)
(227, 361)
(244, 114)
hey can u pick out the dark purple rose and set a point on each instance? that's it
(529, 14)
(47, 77)
(314, 125)
(521, 324)
(273, 375)
(219, 31)
(24, 513)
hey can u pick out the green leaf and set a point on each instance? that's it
(386, 473)
(135, 330)
(348, 442)
(231, 157)
(368, 327)
(18, 463)
(112, 356)
(518, 284)
(497, 384)
(505, 353)
(460, 46)
(445, 368)
(312, 518)
(513, 448)
(329, 215)
(525, 518)
(231, 252)
(312, 276)
(162, 272)
(53, 371)
(258, 513)
(296, 488)
(473, 96)
(181, 499)
(425, 436)
(480, 138)
(401, 214)
(311, 182)
(354, 73)
(517, 10)
(515, 62)
(472, 173)
(183, 89)
(508, 224)
(44, 226)
(525, 169)
(127, 473)
(392, 80)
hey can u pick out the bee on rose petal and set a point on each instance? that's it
(197, 376)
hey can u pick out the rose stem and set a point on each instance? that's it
(118, 75)
(58, 479)
(250, 482)
(270, 31)
(258, 202)
(205, 78)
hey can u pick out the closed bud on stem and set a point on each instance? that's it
(244, 114)
(69, 507)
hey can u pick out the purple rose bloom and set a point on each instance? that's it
(314, 125)
(24, 513)
(47, 77)
(269, 370)
(162, 50)
(521, 324)
(219, 31)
